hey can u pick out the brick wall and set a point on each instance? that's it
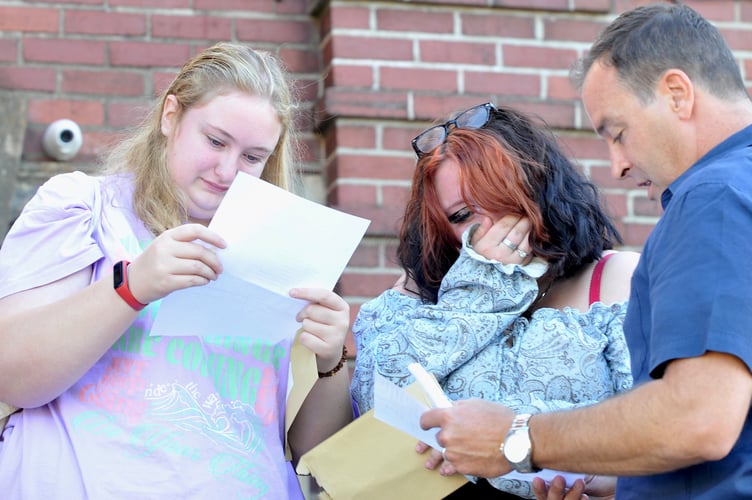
(371, 74)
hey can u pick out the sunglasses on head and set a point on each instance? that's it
(433, 137)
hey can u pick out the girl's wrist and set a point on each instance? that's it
(339, 365)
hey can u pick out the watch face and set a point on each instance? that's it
(516, 447)
(117, 276)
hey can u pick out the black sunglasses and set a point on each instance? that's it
(432, 137)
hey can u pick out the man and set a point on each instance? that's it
(661, 86)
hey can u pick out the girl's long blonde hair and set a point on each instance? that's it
(222, 68)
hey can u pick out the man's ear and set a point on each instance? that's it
(170, 114)
(678, 88)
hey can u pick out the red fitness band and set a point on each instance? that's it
(120, 282)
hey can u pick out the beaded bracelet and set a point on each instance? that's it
(339, 366)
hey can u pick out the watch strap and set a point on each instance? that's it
(520, 425)
(120, 282)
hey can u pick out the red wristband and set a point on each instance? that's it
(120, 282)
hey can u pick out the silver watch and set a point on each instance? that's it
(517, 447)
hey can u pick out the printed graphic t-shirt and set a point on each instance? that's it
(155, 417)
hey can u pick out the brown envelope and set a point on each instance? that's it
(304, 375)
(369, 459)
(6, 411)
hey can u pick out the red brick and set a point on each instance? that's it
(390, 251)
(25, 78)
(309, 151)
(102, 82)
(347, 17)
(122, 115)
(264, 6)
(158, 4)
(148, 54)
(745, 12)
(97, 143)
(161, 81)
(572, 30)
(364, 103)
(64, 51)
(586, 146)
(266, 30)
(467, 3)
(104, 23)
(300, 60)
(644, 207)
(534, 4)
(304, 119)
(355, 136)
(561, 87)
(85, 113)
(458, 52)
(365, 166)
(635, 234)
(8, 50)
(522, 56)
(342, 75)
(98, 3)
(191, 26)
(417, 79)
(395, 196)
(491, 81)
(365, 284)
(353, 194)
(244, 5)
(717, 10)
(383, 219)
(555, 114)
(371, 48)
(394, 138)
(615, 204)
(29, 19)
(601, 175)
(414, 21)
(366, 255)
(593, 5)
(497, 25)
(738, 40)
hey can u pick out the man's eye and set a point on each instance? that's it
(460, 216)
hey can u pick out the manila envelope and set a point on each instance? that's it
(303, 373)
(369, 459)
(6, 411)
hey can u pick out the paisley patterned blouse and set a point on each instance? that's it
(478, 345)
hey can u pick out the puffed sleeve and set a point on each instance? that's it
(478, 299)
(53, 236)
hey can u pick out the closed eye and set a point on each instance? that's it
(617, 139)
(460, 216)
(254, 158)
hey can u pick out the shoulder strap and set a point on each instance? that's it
(595, 280)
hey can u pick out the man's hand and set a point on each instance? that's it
(471, 433)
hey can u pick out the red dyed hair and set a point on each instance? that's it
(492, 179)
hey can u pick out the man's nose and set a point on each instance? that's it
(620, 166)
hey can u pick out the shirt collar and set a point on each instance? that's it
(739, 139)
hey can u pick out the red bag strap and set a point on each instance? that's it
(595, 280)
